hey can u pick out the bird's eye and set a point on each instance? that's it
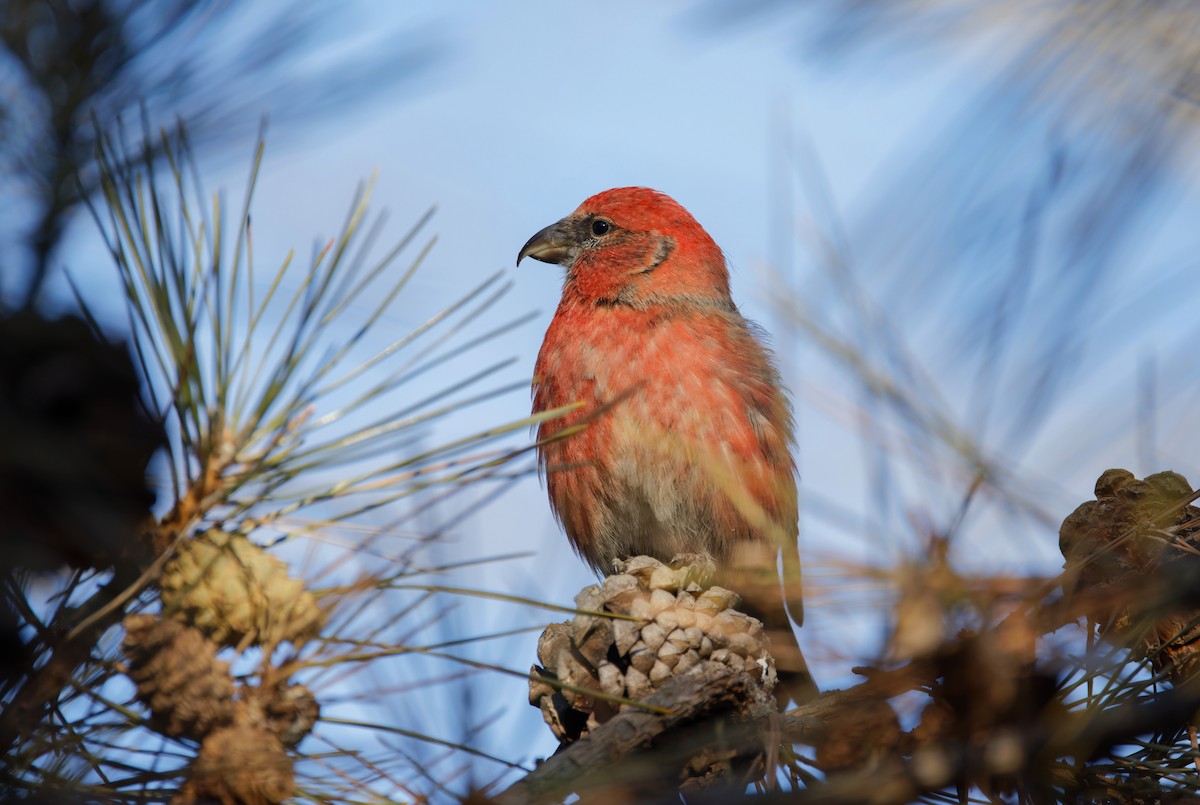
(600, 227)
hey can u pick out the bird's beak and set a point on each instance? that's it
(557, 243)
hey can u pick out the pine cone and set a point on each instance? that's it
(233, 590)
(178, 676)
(240, 765)
(1134, 564)
(673, 623)
(290, 712)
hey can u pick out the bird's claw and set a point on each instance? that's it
(700, 568)
(687, 559)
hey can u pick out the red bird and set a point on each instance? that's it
(682, 442)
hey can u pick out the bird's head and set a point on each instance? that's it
(633, 245)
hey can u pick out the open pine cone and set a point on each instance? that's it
(644, 624)
(1133, 555)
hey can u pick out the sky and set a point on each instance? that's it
(535, 106)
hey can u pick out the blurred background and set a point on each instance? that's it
(969, 228)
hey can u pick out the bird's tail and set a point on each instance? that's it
(754, 573)
(795, 681)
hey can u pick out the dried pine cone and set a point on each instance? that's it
(1134, 561)
(240, 765)
(290, 712)
(674, 623)
(233, 590)
(178, 676)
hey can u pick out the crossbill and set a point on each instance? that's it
(681, 442)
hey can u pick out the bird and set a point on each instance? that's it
(680, 440)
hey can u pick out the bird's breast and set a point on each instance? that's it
(668, 418)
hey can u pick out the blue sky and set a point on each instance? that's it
(537, 105)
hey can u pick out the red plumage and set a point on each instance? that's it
(682, 441)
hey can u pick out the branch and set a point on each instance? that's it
(719, 709)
